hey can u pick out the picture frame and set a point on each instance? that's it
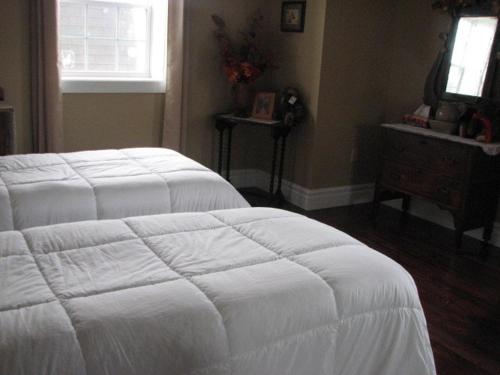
(293, 16)
(263, 106)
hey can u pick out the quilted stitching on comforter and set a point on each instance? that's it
(246, 291)
(44, 189)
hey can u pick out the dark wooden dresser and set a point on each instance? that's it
(7, 130)
(460, 175)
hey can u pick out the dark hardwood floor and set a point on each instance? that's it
(460, 292)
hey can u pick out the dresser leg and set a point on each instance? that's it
(459, 233)
(376, 204)
(406, 208)
(487, 231)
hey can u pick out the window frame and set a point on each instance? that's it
(118, 82)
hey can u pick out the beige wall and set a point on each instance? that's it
(208, 90)
(126, 120)
(299, 57)
(98, 121)
(376, 56)
(357, 64)
(15, 65)
(353, 88)
(415, 45)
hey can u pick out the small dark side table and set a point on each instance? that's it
(279, 134)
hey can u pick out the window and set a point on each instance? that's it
(112, 46)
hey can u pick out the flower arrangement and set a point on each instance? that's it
(247, 62)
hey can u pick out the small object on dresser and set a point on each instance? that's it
(442, 126)
(482, 124)
(419, 118)
(448, 112)
(263, 107)
(486, 134)
(418, 121)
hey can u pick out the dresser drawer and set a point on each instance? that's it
(422, 182)
(443, 157)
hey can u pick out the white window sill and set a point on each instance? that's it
(91, 85)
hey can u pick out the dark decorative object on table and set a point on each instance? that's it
(291, 110)
(243, 62)
(293, 16)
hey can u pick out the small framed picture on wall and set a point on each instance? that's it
(263, 106)
(293, 15)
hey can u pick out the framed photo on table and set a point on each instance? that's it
(263, 106)
(293, 15)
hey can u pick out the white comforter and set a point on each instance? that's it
(248, 291)
(44, 189)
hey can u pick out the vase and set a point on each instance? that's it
(243, 94)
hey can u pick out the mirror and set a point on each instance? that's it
(470, 57)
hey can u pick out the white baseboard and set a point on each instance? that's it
(315, 199)
(307, 199)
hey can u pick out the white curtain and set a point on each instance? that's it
(46, 101)
(174, 116)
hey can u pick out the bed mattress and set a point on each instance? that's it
(245, 291)
(44, 189)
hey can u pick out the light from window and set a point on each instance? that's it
(471, 54)
(112, 39)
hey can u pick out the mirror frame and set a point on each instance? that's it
(493, 64)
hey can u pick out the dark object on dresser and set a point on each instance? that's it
(456, 175)
(7, 130)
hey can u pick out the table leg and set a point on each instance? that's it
(228, 160)
(491, 213)
(221, 149)
(273, 166)
(459, 232)
(279, 194)
(405, 208)
(376, 202)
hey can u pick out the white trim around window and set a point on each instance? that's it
(89, 85)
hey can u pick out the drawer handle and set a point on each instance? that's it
(423, 142)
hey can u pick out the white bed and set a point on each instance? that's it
(44, 189)
(246, 291)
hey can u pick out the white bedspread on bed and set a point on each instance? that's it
(44, 189)
(248, 291)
